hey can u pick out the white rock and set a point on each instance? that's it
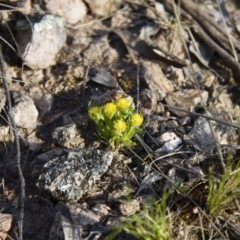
(171, 142)
(41, 41)
(71, 11)
(24, 112)
(2, 99)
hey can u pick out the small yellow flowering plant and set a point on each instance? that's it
(116, 122)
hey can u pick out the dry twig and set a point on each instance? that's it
(17, 145)
(209, 31)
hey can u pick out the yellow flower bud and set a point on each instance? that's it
(120, 125)
(136, 119)
(110, 109)
(94, 113)
(122, 103)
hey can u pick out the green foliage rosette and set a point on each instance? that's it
(117, 122)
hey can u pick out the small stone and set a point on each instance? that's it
(2, 99)
(154, 124)
(170, 142)
(81, 214)
(67, 136)
(129, 208)
(185, 99)
(185, 121)
(41, 41)
(103, 7)
(100, 210)
(34, 143)
(24, 112)
(152, 74)
(72, 174)
(25, 7)
(149, 102)
(171, 124)
(5, 225)
(43, 100)
(4, 133)
(71, 11)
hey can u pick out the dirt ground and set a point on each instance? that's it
(176, 61)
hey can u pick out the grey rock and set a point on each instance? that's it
(42, 99)
(154, 123)
(72, 174)
(4, 134)
(201, 136)
(38, 163)
(24, 112)
(41, 41)
(67, 136)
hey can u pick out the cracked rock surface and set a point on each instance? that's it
(69, 176)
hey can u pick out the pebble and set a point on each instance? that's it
(25, 113)
(72, 11)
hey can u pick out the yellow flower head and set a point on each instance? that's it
(110, 109)
(120, 125)
(122, 103)
(94, 113)
(136, 119)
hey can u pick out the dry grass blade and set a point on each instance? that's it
(17, 145)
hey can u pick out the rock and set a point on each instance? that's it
(38, 163)
(104, 7)
(71, 11)
(129, 208)
(80, 213)
(2, 99)
(185, 99)
(25, 7)
(154, 123)
(67, 136)
(149, 102)
(69, 176)
(152, 74)
(24, 112)
(101, 210)
(34, 143)
(43, 100)
(184, 121)
(41, 41)
(4, 134)
(5, 225)
(170, 142)
(201, 136)
(171, 124)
